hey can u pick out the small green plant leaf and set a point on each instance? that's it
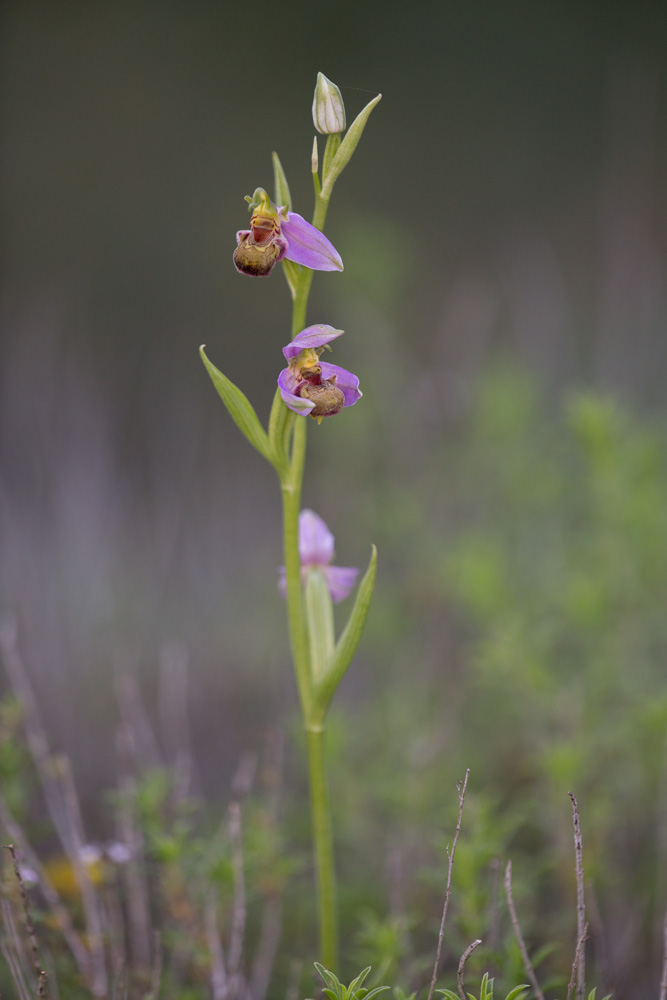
(280, 185)
(347, 147)
(347, 644)
(517, 993)
(335, 990)
(355, 991)
(357, 983)
(240, 410)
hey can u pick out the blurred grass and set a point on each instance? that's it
(518, 629)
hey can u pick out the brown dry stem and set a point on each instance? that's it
(461, 787)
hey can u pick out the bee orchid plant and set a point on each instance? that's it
(307, 386)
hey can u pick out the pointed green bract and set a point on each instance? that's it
(347, 644)
(240, 410)
(292, 272)
(347, 147)
(280, 185)
(281, 423)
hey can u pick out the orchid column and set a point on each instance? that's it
(307, 386)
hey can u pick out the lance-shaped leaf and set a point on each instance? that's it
(330, 979)
(347, 644)
(240, 410)
(347, 147)
(283, 197)
(280, 185)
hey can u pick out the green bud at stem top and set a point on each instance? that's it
(328, 107)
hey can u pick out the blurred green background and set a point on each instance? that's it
(504, 231)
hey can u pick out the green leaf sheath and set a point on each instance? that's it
(331, 148)
(347, 643)
(292, 274)
(320, 621)
(240, 410)
(281, 424)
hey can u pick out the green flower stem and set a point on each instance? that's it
(319, 792)
(300, 303)
(291, 490)
(322, 835)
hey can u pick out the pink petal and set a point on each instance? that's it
(345, 380)
(341, 580)
(313, 336)
(307, 245)
(287, 383)
(316, 543)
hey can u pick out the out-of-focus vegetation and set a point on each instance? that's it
(538, 578)
(509, 201)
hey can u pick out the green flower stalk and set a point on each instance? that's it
(307, 386)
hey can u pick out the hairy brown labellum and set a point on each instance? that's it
(326, 396)
(257, 259)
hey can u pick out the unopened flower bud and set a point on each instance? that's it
(328, 107)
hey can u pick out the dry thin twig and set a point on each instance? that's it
(239, 903)
(43, 990)
(663, 981)
(89, 900)
(462, 964)
(35, 730)
(219, 981)
(156, 972)
(461, 787)
(517, 930)
(267, 946)
(134, 877)
(60, 913)
(575, 964)
(13, 952)
(62, 802)
(143, 746)
(173, 714)
(581, 908)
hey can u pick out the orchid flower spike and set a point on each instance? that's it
(316, 551)
(276, 233)
(311, 386)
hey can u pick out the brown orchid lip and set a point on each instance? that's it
(325, 394)
(255, 260)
